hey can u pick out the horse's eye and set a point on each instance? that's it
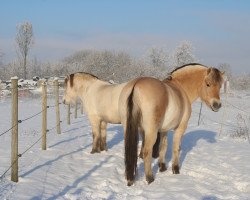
(208, 85)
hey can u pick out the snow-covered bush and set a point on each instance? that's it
(243, 127)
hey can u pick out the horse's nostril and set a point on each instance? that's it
(216, 105)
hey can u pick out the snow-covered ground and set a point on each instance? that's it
(213, 166)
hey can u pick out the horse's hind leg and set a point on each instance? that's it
(95, 123)
(103, 144)
(176, 148)
(155, 153)
(163, 150)
(150, 138)
(142, 145)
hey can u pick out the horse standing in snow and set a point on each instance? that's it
(159, 106)
(100, 101)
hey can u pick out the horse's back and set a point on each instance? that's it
(161, 104)
(103, 101)
(149, 95)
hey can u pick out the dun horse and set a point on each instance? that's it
(100, 100)
(159, 106)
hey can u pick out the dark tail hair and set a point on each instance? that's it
(131, 138)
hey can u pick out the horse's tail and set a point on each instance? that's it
(131, 138)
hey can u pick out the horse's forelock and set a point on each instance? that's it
(216, 75)
(71, 79)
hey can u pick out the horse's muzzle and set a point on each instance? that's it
(216, 106)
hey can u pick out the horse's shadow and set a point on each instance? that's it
(189, 141)
(118, 136)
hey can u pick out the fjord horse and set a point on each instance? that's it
(100, 101)
(159, 106)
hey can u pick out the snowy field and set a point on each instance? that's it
(214, 165)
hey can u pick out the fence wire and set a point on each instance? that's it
(25, 151)
(26, 119)
(54, 127)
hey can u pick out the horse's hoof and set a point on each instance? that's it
(95, 151)
(162, 167)
(104, 149)
(176, 169)
(150, 179)
(130, 182)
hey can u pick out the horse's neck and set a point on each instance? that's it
(191, 84)
(84, 88)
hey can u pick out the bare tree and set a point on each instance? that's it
(24, 40)
(183, 54)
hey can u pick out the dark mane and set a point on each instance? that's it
(185, 66)
(88, 74)
(71, 78)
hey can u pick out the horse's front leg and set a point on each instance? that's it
(95, 123)
(163, 151)
(176, 148)
(103, 143)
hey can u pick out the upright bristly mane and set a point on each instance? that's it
(88, 74)
(71, 77)
(215, 74)
(186, 65)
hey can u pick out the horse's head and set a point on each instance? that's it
(210, 88)
(70, 92)
(75, 86)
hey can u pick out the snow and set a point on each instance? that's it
(213, 166)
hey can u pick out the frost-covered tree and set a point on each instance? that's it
(183, 54)
(158, 57)
(24, 40)
(225, 67)
(1, 58)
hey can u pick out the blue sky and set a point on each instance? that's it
(218, 29)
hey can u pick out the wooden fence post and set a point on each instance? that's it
(14, 138)
(58, 126)
(44, 115)
(76, 109)
(224, 112)
(68, 115)
(81, 108)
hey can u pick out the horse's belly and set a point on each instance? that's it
(171, 119)
(113, 119)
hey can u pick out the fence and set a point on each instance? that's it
(222, 124)
(15, 155)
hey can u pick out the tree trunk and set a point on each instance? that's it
(24, 67)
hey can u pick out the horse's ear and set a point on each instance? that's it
(223, 75)
(209, 70)
(71, 79)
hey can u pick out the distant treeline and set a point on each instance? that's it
(118, 66)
